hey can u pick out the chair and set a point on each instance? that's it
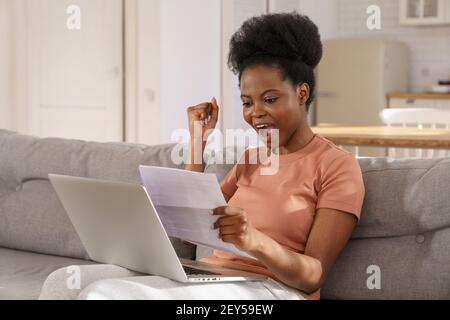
(420, 118)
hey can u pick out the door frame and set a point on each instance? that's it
(142, 87)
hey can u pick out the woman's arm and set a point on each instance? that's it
(202, 120)
(307, 272)
(191, 164)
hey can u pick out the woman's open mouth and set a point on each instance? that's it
(264, 126)
(265, 131)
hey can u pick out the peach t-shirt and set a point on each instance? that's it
(283, 205)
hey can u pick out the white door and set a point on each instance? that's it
(75, 84)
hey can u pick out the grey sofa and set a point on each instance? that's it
(403, 238)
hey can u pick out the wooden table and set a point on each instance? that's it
(383, 136)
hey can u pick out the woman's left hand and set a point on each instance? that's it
(235, 228)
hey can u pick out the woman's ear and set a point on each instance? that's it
(303, 93)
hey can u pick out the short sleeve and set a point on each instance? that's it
(229, 183)
(342, 186)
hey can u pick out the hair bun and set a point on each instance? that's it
(288, 35)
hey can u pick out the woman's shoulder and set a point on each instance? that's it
(329, 150)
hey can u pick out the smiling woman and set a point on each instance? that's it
(293, 223)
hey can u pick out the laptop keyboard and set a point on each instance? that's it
(193, 272)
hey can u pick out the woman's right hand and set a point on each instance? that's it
(205, 116)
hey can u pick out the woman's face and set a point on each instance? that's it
(269, 102)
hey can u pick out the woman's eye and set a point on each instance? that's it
(270, 100)
(246, 104)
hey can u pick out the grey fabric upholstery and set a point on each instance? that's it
(23, 273)
(404, 196)
(411, 267)
(31, 216)
(404, 228)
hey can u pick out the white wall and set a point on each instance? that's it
(19, 65)
(190, 59)
(429, 45)
(5, 65)
(323, 13)
(283, 5)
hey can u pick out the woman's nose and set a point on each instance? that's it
(258, 110)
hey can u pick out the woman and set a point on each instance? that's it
(294, 222)
(297, 221)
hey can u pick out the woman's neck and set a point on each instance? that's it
(299, 139)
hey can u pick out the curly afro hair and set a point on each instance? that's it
(289, 41)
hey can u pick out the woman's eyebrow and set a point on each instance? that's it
(267, 91)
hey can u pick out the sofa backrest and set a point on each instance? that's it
(31, 216)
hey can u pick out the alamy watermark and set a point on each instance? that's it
(374, 20)
(374, 280)
(74, 17)
(264, 148)
(73, 282)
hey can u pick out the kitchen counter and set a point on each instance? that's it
(418, 95)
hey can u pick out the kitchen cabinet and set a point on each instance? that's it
(424, 12)
(418, 100)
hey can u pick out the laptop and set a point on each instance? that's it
(118, 224)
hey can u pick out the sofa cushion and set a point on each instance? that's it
(403, 235)
(31, 216)
(404, 196)
(407, 267)
(34, 220)
(22, 274)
